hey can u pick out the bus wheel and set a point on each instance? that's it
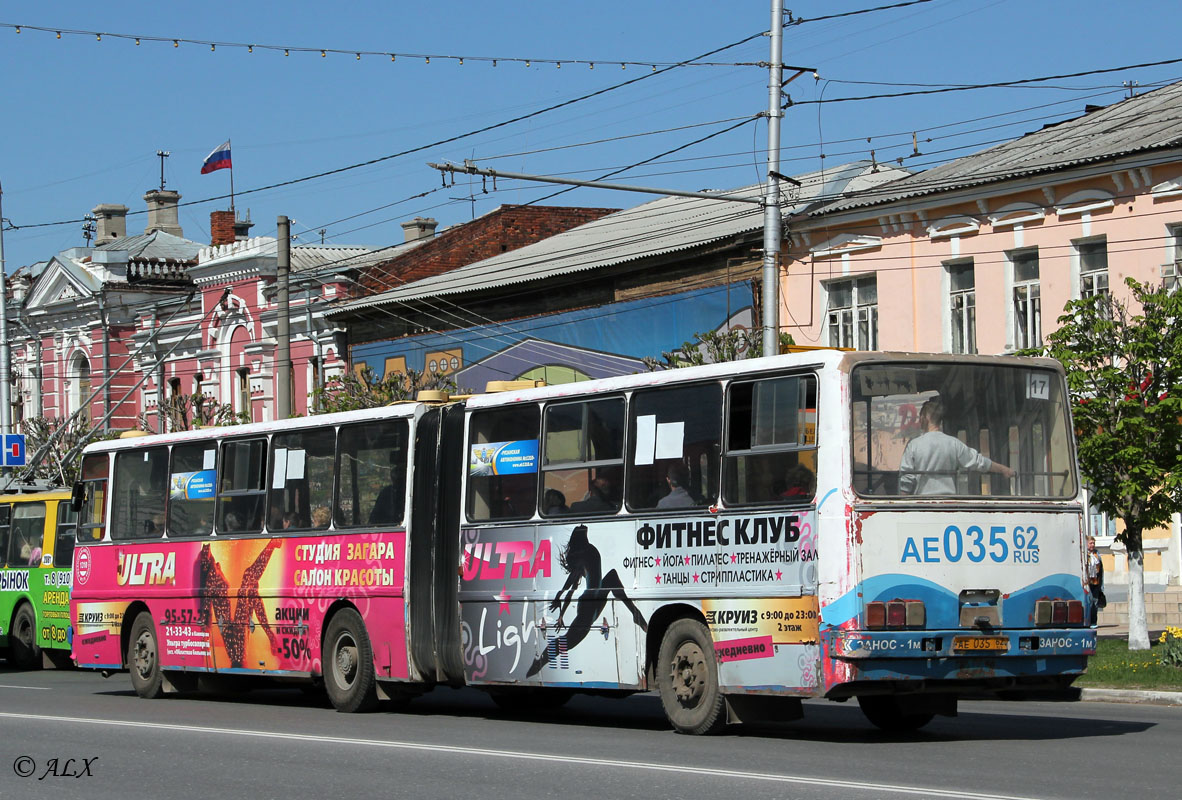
(687, 677)
(143, 658)
(348, 669)
(892, 713)
(23, 647)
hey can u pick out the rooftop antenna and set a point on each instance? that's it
(162, 154)
(88, 228)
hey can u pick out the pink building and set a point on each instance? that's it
(980, 255)
(167, 316)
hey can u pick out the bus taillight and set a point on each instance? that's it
(895, 614)
(1058, 612)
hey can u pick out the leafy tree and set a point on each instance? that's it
(186, 412)
(60, 463)
(363, 389)
(1124, 369)
(714, 347)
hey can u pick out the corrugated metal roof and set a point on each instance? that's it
(1147, 122)
(304, 257)
(662, 226)
(156, 245)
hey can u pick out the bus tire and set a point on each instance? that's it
(687, 677)
(22, 644)
(891, 714)
(349, 675)
(143, 658)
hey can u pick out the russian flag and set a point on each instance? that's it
(218, 159)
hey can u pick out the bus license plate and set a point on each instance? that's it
(978, 643)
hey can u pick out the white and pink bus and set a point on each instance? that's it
(901, 529)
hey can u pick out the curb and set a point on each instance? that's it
(1132, 696)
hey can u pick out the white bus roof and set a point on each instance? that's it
(397, 411)
(843, 360)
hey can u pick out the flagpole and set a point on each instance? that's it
(231, 175)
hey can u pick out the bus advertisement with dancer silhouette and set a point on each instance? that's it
(570, 604)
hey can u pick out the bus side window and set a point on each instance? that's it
(192, 479)
(771, 453)
(242, 492)
(674, 443)
(5, 531)
(583, 457)
(371, 469)
(503, 463)
(139, 491)
(63, 546)
(92, 524)
(27, 534)
(300, 492)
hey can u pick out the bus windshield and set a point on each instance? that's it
(960, 429)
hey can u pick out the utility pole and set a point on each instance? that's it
(283, 334)
(771, 206)
(5, 366)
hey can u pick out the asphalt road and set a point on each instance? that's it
(280, 743)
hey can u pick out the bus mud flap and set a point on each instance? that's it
(762, 708)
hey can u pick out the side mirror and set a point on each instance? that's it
(78, 496)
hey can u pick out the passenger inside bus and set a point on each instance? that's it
(800, 483)
(931, 460)
(678, 496)
(388, 508)
(554, 502)
(601, 495)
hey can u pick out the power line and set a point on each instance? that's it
(420, 148)
(992, 85)
(357, 53)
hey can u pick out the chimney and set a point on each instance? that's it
(162, 211)
(242, 227)
(419, 228)
(112, 222)
(221, 228)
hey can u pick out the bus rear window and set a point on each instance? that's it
(960, 429)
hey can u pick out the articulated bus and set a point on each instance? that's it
(36, 548)
(905, 530)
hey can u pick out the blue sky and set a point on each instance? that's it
(82, 119)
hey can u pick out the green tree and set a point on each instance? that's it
(363, 389)
(714, 347)
(1124, 369)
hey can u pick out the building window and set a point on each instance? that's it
(963, 305)
(1093, 268)
(174, 387)
(197, 379)
(81, 396)
(853, 313)
(1027, 303)
(243, 391)
(1171, 271)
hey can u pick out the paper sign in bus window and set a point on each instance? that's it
(279, 476)
(503, 458)
(295, 464)
(210, 459)
(670, 436)
(646, 439)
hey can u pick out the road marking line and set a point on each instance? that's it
(522, 756)
(14, 686)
